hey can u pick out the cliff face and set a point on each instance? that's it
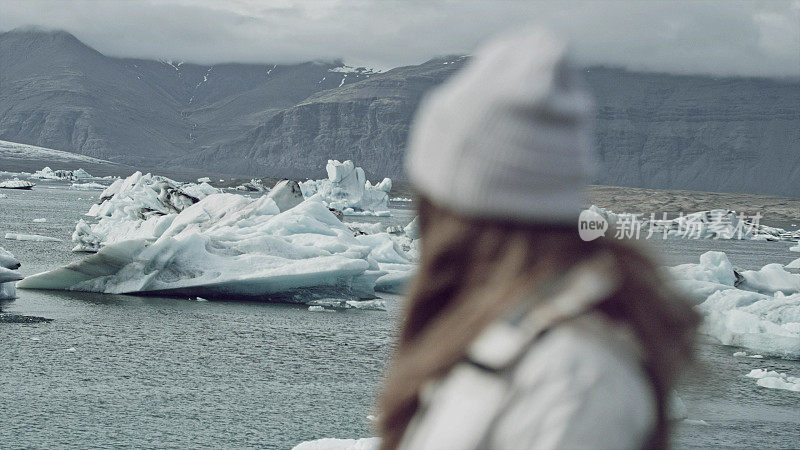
(653, 130)
(697, 133)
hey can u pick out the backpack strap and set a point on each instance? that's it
(503, 343)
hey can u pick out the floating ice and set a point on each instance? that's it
(204, 180)
(372, 443)
(286, 194)
(229, 245)
(253, 185)
(412, 229)
(16, 183)
(138, 207)
(754, 314)
(87, 186)
(40, 220)
(775, 380)
(68, 175)
(348, 190)
(31, 237)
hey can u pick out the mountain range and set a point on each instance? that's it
(726, 134)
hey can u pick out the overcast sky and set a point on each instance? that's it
(721, 37)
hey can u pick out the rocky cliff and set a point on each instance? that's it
(654, 130)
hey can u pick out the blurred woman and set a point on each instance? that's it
(517, 333)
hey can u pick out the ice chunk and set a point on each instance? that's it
(30, 237)
(87, 186)
(7, 260)
(253, 185)
(372, 443)
(68, 175)
(137, 207)
(775, 380)
(714, 267)
(232, 246)
(16, 183)
(286, 194)
(204, 180)
(40, 220)
(348, 190)
(7, 275)
(755, 315)
(771, 278)
(794, 264)
(412, 229)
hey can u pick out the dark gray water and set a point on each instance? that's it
(156, 372)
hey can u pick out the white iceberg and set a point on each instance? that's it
(775, 380)
(286, 194)
(137, 207)
(204, 180)
(372, 443)
(254, 185)
(8, 265)
(87, 186)
(16, 183)
(229, 245)
(68, 175)
(751, 311)
(30, 237)
(412, 229)
(347, 189)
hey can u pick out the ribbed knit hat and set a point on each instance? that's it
(508, 136)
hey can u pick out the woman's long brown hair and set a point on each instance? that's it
(471, 271)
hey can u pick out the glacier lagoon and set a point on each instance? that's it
(149, 371)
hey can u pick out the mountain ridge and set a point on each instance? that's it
(654, 130)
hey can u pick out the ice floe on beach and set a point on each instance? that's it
(347, 189)
(755, 309)
(371, 443)
(775, 380)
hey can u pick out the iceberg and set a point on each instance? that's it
(228, 245)
(775, 380)
(137, 207)
(371, 443)
(87, 186)
(8, 265)
(750, 310)
(253, 185)
(30, 237)
(68, 175)
(347, 189)
(16, 183)
(286, 194)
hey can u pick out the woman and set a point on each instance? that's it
(517, 333)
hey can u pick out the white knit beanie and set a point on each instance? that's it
(508, 136)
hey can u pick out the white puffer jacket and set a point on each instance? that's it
(559, 378)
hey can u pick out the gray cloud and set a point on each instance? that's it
(721, 37)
